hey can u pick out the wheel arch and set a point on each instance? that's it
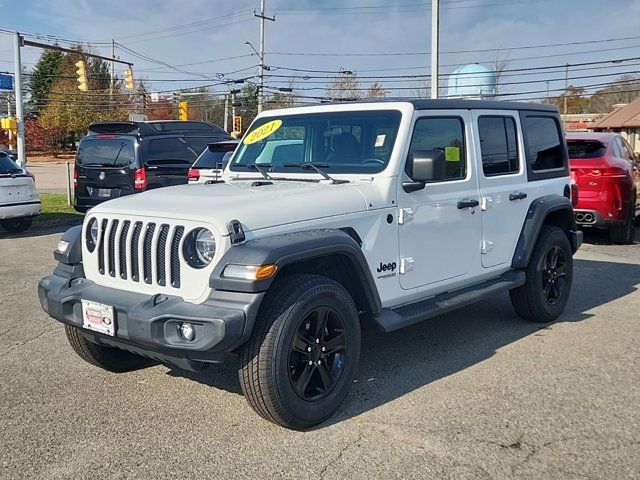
(335, 253)
(554, 210)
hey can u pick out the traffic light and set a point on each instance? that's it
(128, 79)
(9, 123)
(183, 110)
(237, 124)
(82, 75)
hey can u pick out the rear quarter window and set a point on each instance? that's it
(545, 149)
(167, 150)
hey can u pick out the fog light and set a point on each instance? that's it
(187, 331)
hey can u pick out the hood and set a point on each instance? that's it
(255, 207)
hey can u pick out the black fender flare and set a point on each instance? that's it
(539, 210)
(289, 248)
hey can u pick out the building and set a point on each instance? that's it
(624, 119)
(580, 122)
(472, 81)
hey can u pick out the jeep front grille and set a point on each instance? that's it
(127, 249)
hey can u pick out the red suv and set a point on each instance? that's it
(608, 176)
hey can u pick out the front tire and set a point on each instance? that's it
(108, 358)
(549, 275)
(16, 225)
(297, 368)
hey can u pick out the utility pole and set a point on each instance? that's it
(233, 104)
(10, 132)
(112, 84)
(226, 112)
(435, 40)
(566, 90)
(262, 18)
(17, 73)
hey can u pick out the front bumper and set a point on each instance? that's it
(148, 325)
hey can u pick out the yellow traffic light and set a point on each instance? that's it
(237, 124)
(82, 75)
(128, 79)
(9, 123)
(183, 110)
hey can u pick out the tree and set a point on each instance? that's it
(98, 72)
(576, 102)
(500, 65)
(248, 99)
(45, 73)
(345, 86)
(625, 89)
(376, 91)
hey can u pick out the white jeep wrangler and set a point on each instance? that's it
(386, 212)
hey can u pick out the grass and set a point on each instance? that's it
(56, 212)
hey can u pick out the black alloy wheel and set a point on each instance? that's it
(554, 275)
(317, 354)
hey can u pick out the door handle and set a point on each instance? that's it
(468, 203)
(517, 196)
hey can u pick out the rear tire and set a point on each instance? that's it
(549, 275)
(16, 225)
(108, 358)
(297, 368)
(624, 234)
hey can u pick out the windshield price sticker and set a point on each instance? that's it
(262, 132)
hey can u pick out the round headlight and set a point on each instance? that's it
(92, 234)
(199, 248)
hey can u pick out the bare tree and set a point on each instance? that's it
(376, 91)
(345, 86)
(500, 64)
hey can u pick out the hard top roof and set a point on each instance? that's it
(455, 104)
(156, 127)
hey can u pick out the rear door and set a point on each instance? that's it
(167, 161)
(503, 183)
(105, 166)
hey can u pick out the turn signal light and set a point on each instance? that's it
(75, 177)
(249, 272)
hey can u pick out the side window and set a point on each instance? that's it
(445, 134)
(629, 151)
(196, 145)
(617, 150)
(498, 145)
(545, 144)
(167, 150)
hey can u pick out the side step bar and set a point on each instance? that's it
(390, 319)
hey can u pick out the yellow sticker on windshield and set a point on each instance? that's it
(452, 154)
(262, 132)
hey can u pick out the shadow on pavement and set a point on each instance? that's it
(392, 365)
(597, 236)
(42, 227)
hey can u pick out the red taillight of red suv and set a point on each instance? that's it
(193, 174)
(75, 177)
(605, 172)
(140, 179)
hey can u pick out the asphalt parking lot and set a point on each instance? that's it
(474, 394)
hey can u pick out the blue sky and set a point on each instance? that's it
(337, 34)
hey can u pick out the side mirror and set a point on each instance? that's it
(426, 166)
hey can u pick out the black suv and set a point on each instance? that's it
(121, 158)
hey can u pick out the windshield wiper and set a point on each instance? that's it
(316, 167)
(253, 166)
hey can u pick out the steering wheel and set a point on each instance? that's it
(373, 160)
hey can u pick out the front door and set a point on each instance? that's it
(440, 225)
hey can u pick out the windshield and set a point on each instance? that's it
(586, 148)
(105, 152)
(214, 155)
(7, 165)
(338, 142)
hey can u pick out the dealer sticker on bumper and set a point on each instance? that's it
(98, 317)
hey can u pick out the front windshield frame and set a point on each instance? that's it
(312, 135)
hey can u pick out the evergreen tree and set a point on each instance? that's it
(44, 74)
